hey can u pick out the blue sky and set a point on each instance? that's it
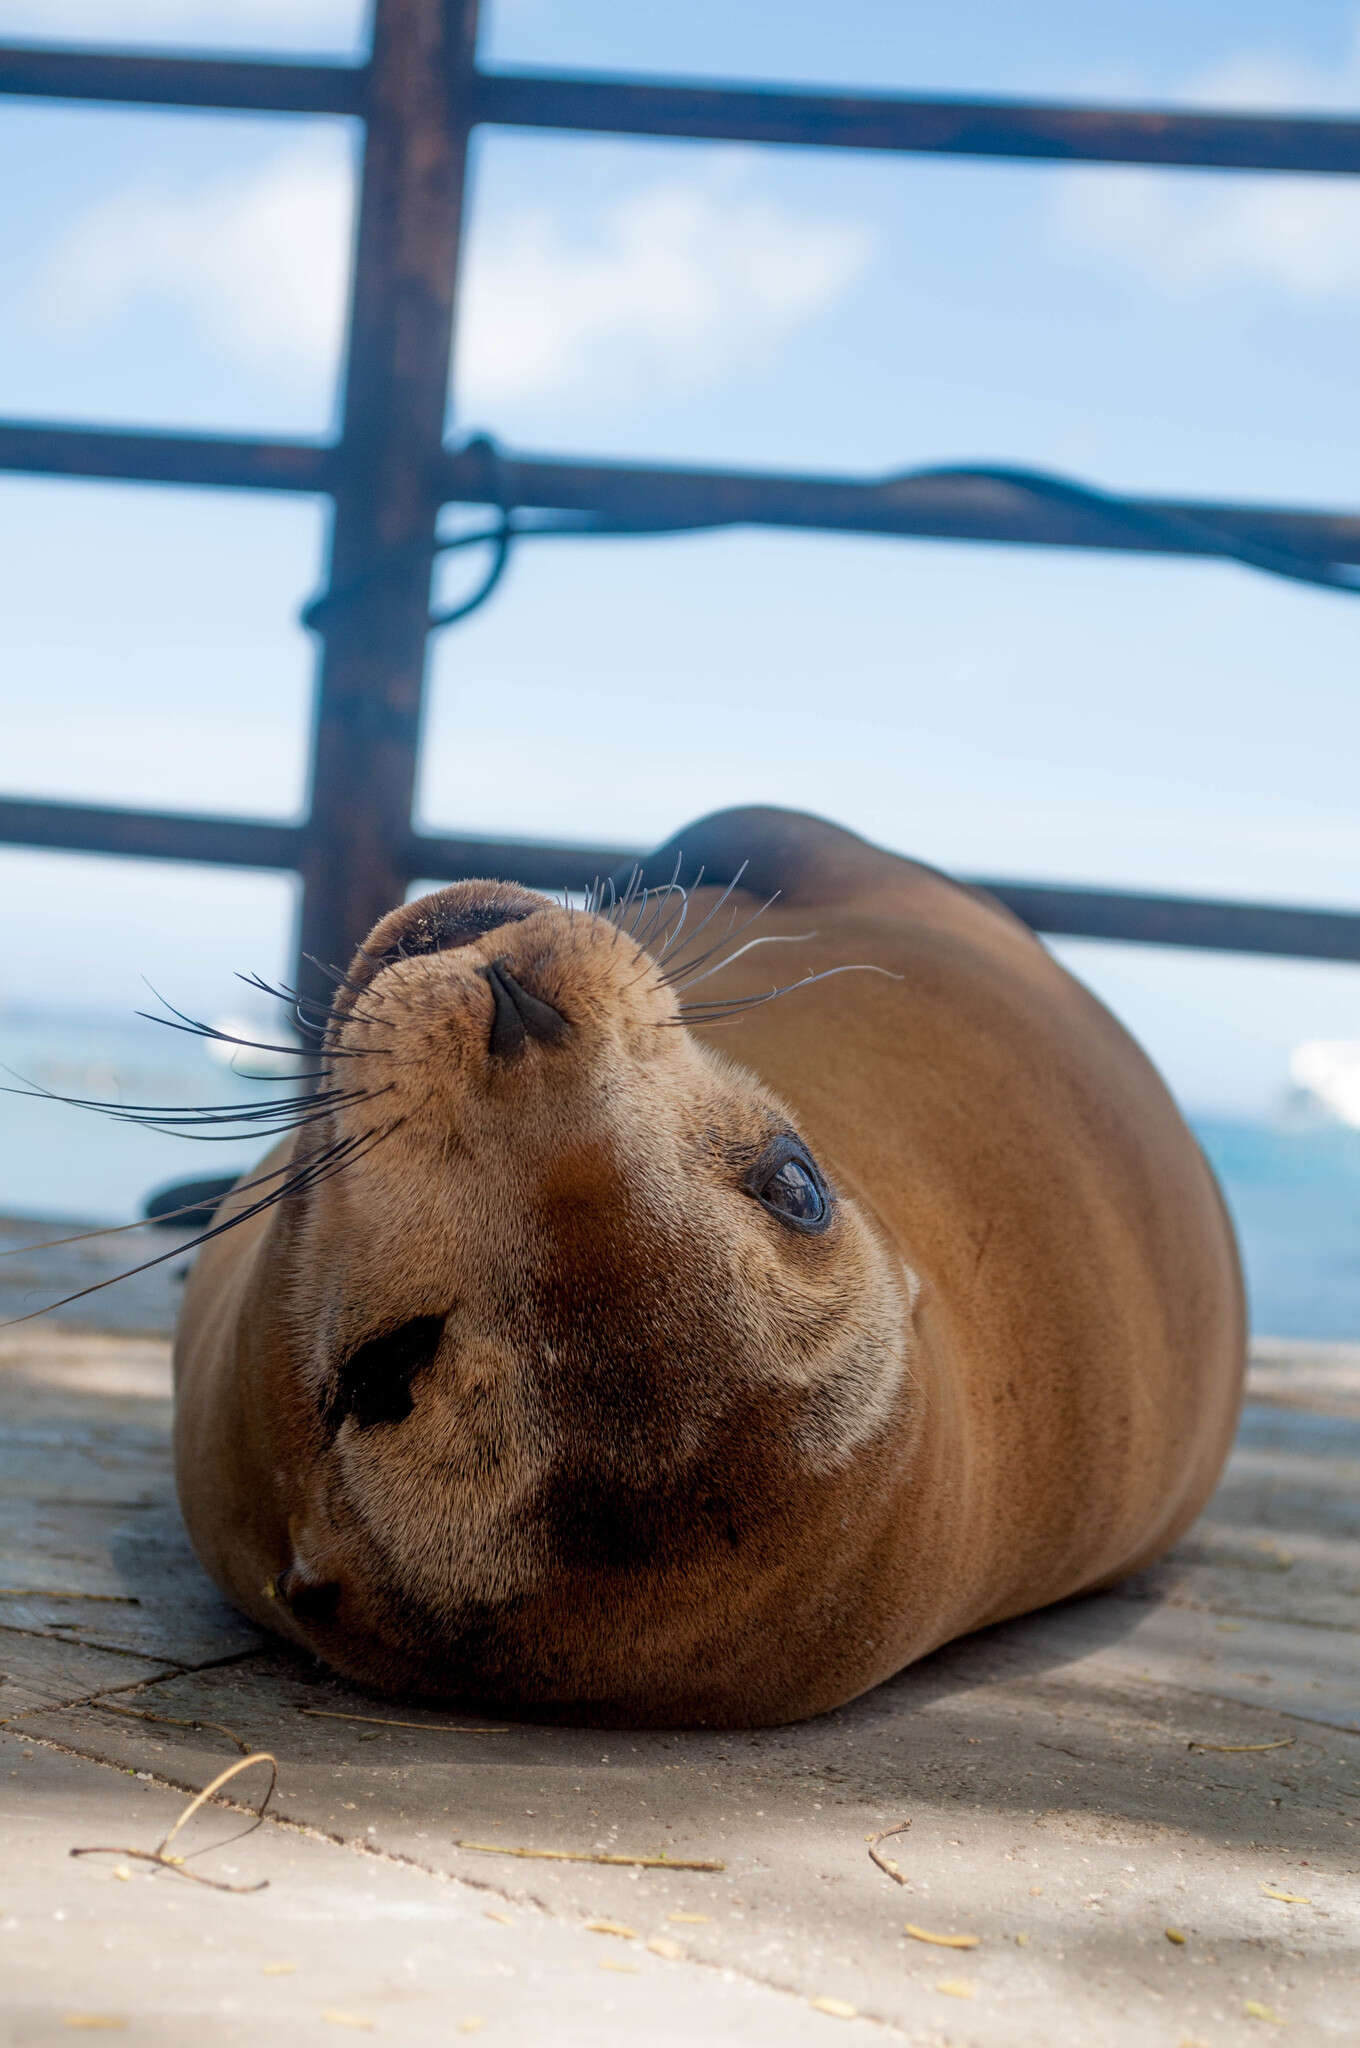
(1165, 725)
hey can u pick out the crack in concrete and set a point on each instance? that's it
(85, 1699)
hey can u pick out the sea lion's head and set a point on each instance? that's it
(587, 1362)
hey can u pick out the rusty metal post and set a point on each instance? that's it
(388, 482)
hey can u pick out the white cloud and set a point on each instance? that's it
(679, 281)
(217, 21)
(1255, 81)
(1186, 231)
(258, 263)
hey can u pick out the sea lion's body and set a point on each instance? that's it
(679, 1458)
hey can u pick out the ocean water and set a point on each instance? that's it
(1293, 1187)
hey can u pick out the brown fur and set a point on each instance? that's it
(673, 1461)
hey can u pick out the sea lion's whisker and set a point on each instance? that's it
(50, 1244)
(284, 1113)
(314, 1025)
(197, 1029)
(282, 993)
(237, 1111)
(661, 901)
(768, 939)
(188, 1023)
(642, 936)
(681, 967)
(713, 909)
(216, 1037)
(641, 929)
(687, 895)
(342, 980)
(651, 961)
(277, 1126)
(332, 1160)
(718, 1012)
(624, 904)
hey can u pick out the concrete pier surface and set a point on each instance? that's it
(1130, 1819)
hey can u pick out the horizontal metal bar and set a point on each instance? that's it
(443, 858)
(928, 508)
(1203, 922)
(1210, 924)
(936, 125)
(939, 126)
(149, 835)
(43, 448)
(39, 71)
(938, 508)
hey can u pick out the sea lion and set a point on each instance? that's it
(633, 1350)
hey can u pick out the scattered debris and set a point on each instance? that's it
(1243, 1748)
(885, 1863)
(62, 1593)
(669, 1951)
(941, 1940)
(471, 2023)
(620, 1969)
(161, 1854)
(94, 2019)
(838, 2008)
(589, 1856)
(1285, 1898)
(957, 1987)
(495, 1913)
(691, 1919)
(617, 1927)
(1174, 1935)
(359, 2021)
(277, 1969)
(1254, 2010)
(381, 1721)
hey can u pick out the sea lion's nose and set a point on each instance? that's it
(519, 1015)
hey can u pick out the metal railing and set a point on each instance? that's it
(389, 473)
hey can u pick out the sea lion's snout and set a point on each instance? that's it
(441, 922)
(480, 1006)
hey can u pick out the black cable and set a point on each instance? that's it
(1184, 533)
(1203, 536)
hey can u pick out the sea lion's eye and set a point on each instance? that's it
(785, 1180)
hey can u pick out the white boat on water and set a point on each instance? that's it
(1326, 1075)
